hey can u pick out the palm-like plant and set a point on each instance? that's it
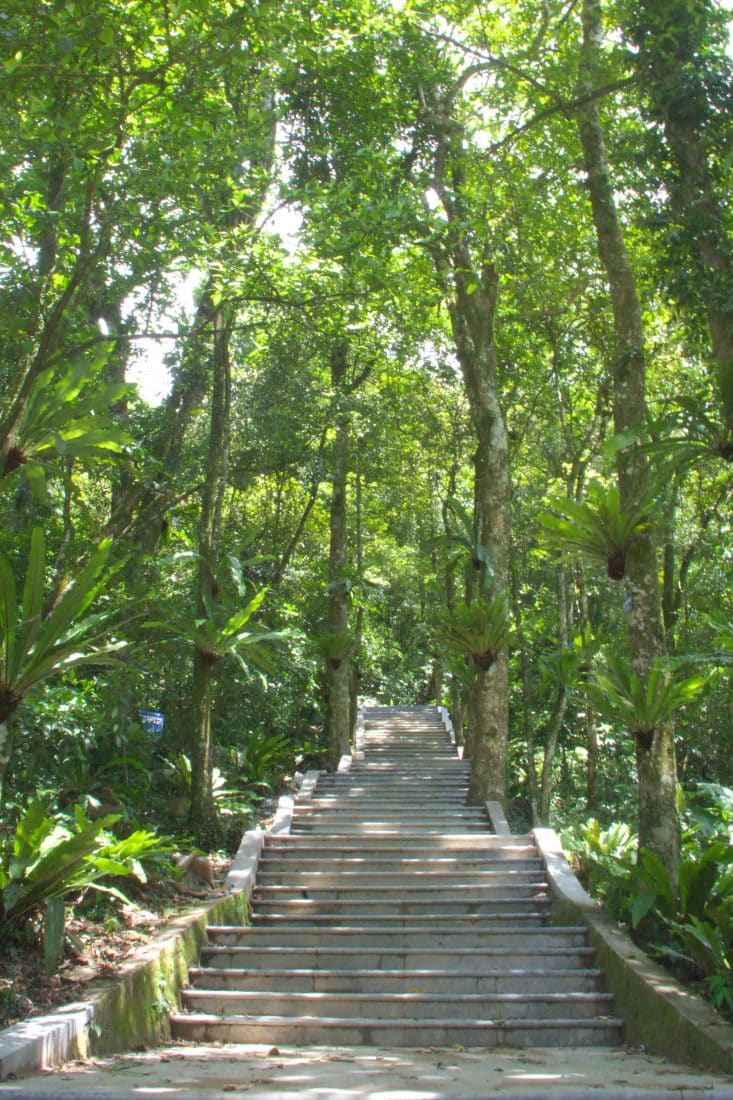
(690, 433)
(235, 638)
(479, 630)
(597, 529)
(34, 646)
(62, 418)
(335, 646)
(622, 697)
(462, 543)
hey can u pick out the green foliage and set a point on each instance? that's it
(53, 856)
(335, 647)
(479, 630)
(264, 757)
(66, 418)
(604, 857)
(640, 709)
(597, 529)
(690, 922)
(232, 639)
(462, 543)
(34, 645)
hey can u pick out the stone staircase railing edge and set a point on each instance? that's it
(448, 723)
(153, 976)
(128, 1013)
(661, 1016)
(497, 817)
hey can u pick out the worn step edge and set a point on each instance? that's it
(205, 1027)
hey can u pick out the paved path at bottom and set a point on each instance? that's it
(191, 1072)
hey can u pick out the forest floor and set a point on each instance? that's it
(100, 937)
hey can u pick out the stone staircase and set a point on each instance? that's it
(391, 916)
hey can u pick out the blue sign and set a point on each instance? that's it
(152, 720)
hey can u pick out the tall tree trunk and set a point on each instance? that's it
(6, 748)
(671, 60)
(338, 709)
(658, 819)
(591, 716)
(355, 676)
(560, 702)
(471, 284)
(217, 460)
(527, 722)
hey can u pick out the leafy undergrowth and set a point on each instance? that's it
(686, 925)
(100, 938)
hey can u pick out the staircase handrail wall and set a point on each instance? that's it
(661, 1016)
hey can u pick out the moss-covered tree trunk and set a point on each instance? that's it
(657, 773)
(471, 285)
(215, 477)
(338, 703)
(682, 71)
(6, 748)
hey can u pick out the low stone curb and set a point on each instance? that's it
(661, 1017)
(134, 1011)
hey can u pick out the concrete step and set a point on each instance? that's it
(394, 810)
(539, 980)
(365, 939)
(364, 1030)
(427, 876)
(397, 1006)
(386, 828)
(363, 913)
(362, 799)
(447, 843)
(284, 864)
(460, 916)
(456, 959)
(422, 895)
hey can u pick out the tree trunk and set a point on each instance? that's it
(6, 749)
(658, 819)
(472, 318)
(527, 723)
(470, 282)
(669, 60)
(338, 707)
(217, 461)
(553, 735)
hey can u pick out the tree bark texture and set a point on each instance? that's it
(670, 57)
(658, 819)
(217, 462)
(338, 706)
(6, 749)
(471, 282)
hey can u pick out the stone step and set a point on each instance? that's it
(456, 959)
(427, 876)
(447, 843)
(417, 895)
(363, 1030)
(284, 864)
(360, 799)
(397, 1006)
(459, 916)
(539, 980)
(386, 828)
(363, 938)
(376, 774)
(403, 815)
(394, 810)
